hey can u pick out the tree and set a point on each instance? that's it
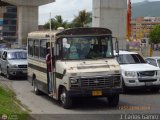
(154, 35)
(56, 22)
(82, 19)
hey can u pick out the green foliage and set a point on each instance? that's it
(56, 22)
(154, 35)
(9, 107)
(82, 20)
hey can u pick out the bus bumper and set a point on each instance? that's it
(91, 93)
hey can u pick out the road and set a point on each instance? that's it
(43, 107)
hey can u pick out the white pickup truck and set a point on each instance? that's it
(136, 73)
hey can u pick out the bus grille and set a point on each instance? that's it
(99, 82)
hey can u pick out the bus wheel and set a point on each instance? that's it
(66, 101)
(36, 90)
(113, 100)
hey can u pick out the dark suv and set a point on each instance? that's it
(13, 62)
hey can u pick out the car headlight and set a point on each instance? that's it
(158, 73)
(130, 74)
(13, 66)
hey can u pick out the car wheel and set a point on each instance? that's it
(1, 71)
(8, 75)
(113, 100)
(125, 89)
(36, 90)
(66, 101)
(155, 90)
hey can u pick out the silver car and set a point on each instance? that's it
(13, 62)
(155, 61)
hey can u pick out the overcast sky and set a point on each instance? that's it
(67, 9)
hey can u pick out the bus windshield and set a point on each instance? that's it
(95, 47)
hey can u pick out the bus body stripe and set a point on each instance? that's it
(41, 69)
(37, 68)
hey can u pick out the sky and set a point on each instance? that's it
(67, 9)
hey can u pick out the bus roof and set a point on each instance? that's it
(41, 34)
(73, 31)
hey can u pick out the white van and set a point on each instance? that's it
(136, 73)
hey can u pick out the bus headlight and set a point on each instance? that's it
(73, 81)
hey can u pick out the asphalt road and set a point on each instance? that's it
(132, 105)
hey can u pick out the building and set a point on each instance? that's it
(140, 29)
(27, 17)
(141, 26)
(8, 24)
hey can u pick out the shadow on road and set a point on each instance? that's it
(86, 104)
(141, 92)
(13, 78)
(19, 78)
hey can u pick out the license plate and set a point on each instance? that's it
(24, 71)
(96, 93)
(149, 83)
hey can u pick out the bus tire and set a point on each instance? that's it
(113, 100)
(36, 90)
(65, 99)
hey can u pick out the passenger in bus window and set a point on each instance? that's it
(49, 69)
(73, 53)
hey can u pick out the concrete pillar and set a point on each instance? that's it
(27, 16)
(27, 22)
(111, 14)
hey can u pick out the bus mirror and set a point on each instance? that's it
(116, 45)
(57, 51)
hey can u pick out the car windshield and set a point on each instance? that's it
(97, 47)
(158, 61)
(130, 59)
(17, 55)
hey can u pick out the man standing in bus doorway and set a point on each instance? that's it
(49, 70)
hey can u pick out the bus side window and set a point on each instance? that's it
(58, 49)
(36, 48)
(30, 47)
(43, 50)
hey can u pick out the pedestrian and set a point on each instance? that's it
(49, 70)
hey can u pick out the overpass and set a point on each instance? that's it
(113, 15)
(106, 13)
(27, 11)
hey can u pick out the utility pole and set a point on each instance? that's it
(129, 21)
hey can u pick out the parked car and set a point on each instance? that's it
(136, 73)
(13, 62)
(3, 45)
(155, 61)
